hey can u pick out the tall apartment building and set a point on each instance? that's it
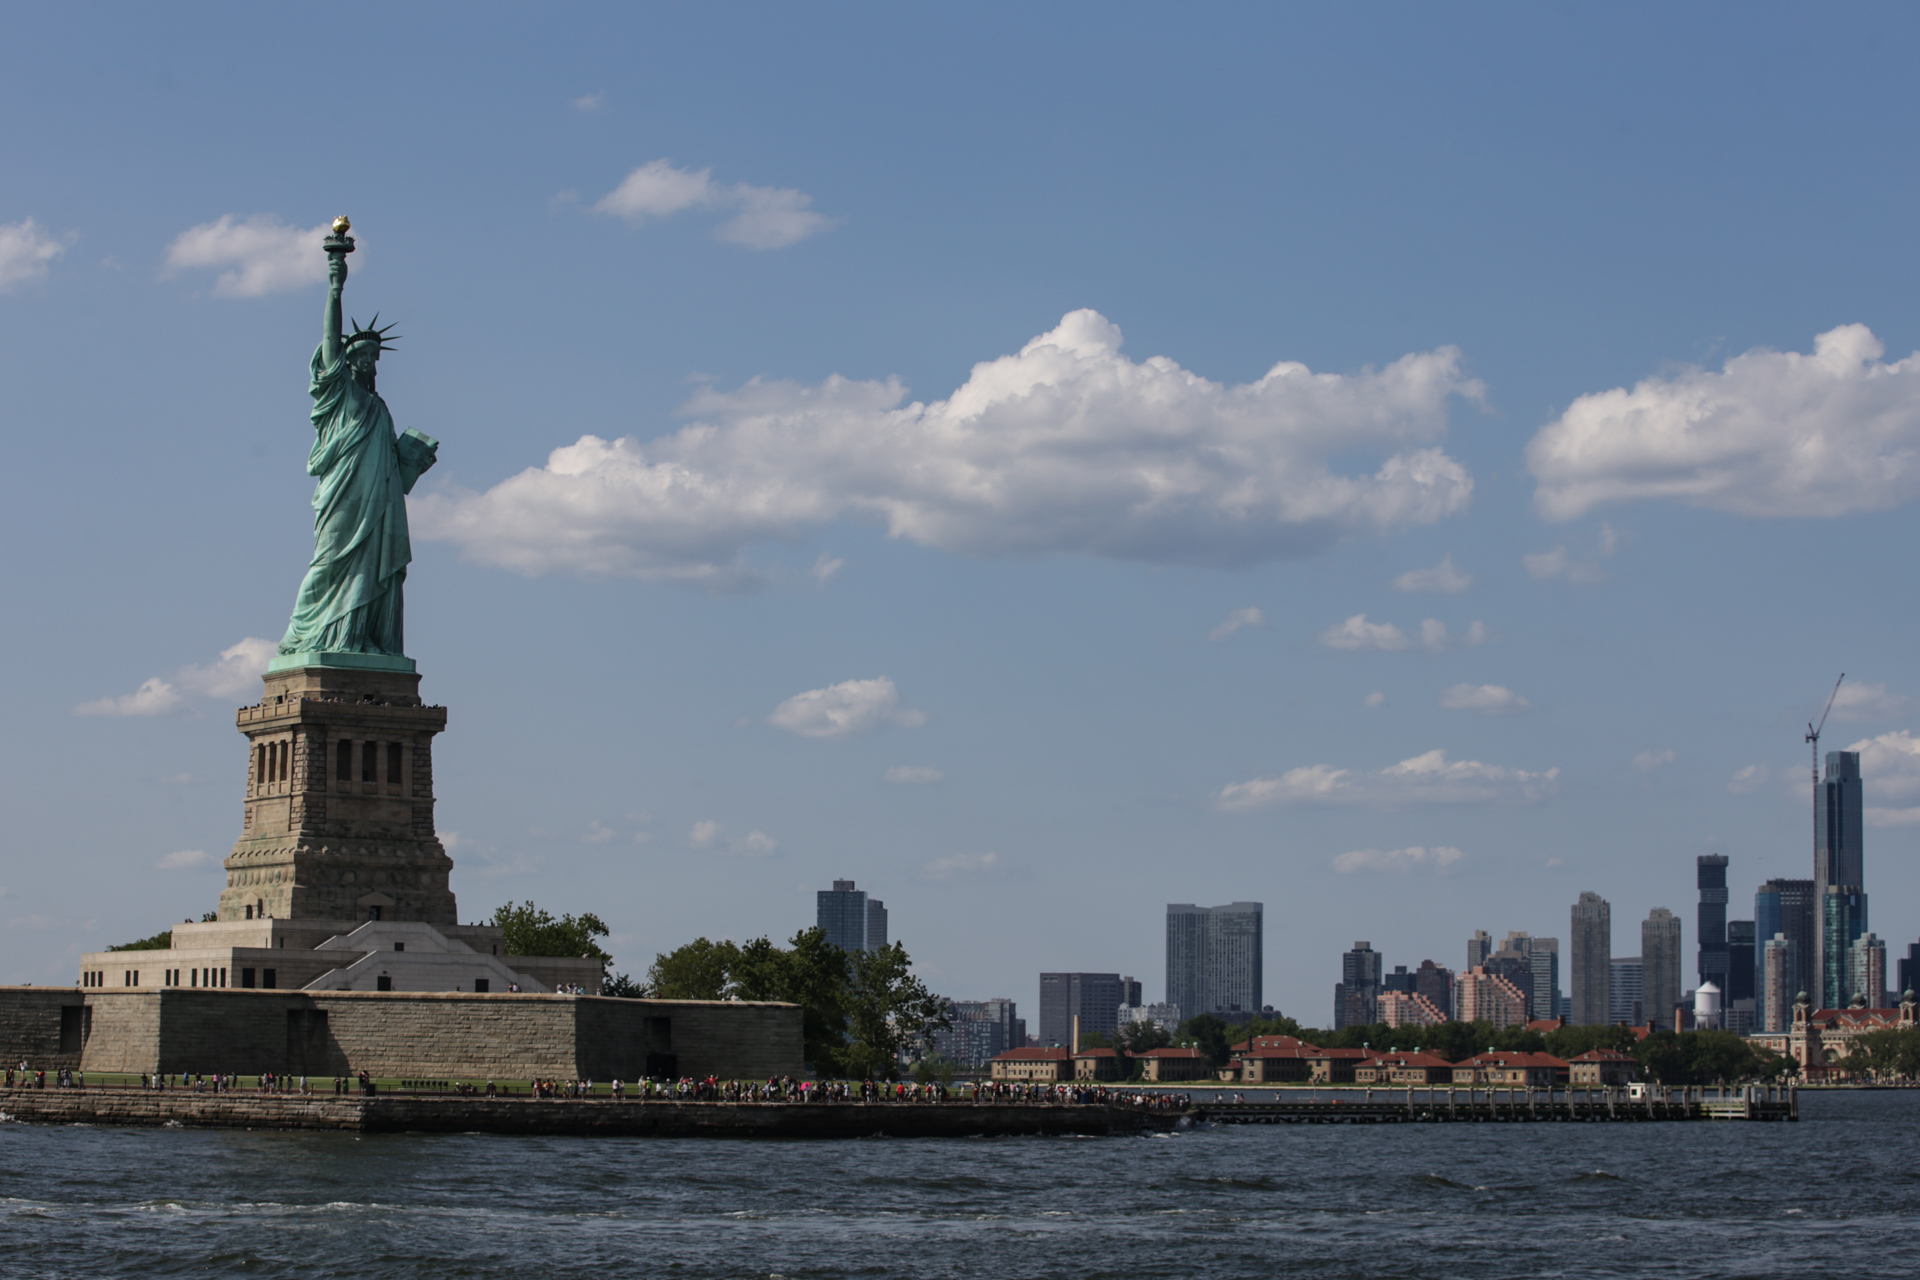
(1784, 908)
(1839, 861)
(1215, 958)
(1435, 982)
(1867, 970)
(1130, 993)
(1479, 947)
(1625, 979)
(1408, 1009)
(1743, 1003)
(1491, 998)
(1543, 972)
(1092, 997)
(851, 920)
(1591, 953)
(1356, 995)
(1907, 971)
(1843, 918)
(1710, 921)
(980, 1031)
(1661, 957)
(1774, 1006)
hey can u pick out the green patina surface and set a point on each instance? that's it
(349, 612)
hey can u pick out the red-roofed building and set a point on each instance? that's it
(1274, 1060)
(1546, 1026)
(1602, 1067)
(1821, 1037)
(1335, 1066)
(1096, 1064)
(1174, 1064)
(1511, 1069)
(1033, 1064)
(1404, 1068)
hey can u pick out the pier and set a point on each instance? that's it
(1417, 1105)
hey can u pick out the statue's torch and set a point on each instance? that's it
(339, 241)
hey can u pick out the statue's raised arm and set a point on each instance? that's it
(338, 246)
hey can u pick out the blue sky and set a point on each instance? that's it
(1037, 409)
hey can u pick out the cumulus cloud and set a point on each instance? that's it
(1890, 765)
(26, 252)
(844, 709)
(1430, 778)
(1871, 702)
(1412, 858)
(1373, 700)
(186, 860)
(590, 102)
(824, 568)
(1237, 619)
(1648, 761)
(255, 257)
(912, 775)
(709, 835)
(1752, 778)
(1773, 433)
(597, 833)
(961, 864)
(764, 217)
(1488, 699)
(1436, 638)
(1443, 577)
(1357, 633)
(1066, 447)
(231, 676)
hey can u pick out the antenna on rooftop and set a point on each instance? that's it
(1813, 740)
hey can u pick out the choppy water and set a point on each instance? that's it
(1834, 1195)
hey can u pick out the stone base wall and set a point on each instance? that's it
(412, 1035)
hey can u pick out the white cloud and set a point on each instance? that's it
(1437, 639)
(1424, 779)
(590, 102)
(1879, 817)
(1772, 434)
(1752, 778)
(1443, 577)
(26, 252)
(909, 775)
(152, 698)
(961, 864)
(825, 568)
(1239, 618)
(185, 860)
(766, 217)
(1546, 564)
(1357, 633)
(1890, 765)
(258, 256)
(1648, 761)
(597, 833)
(1412, 858)
(1489, 699)
(844, 709)
(1871, 702)
(233, 675)
(1066, 447)
(1374, 699)
(754, 844)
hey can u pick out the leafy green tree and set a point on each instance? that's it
(812, 973)
(1884, 1055)
(1138, 1037)
(1570, 1042)
(888, 1008)
(1697, 1057)
(1210, 1036)
(623, 987)
(700, 970)
(533, 932)
(162, 941)
(1097, 1040)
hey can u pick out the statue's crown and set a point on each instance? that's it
(371, 333)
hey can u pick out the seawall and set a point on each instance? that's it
(402, 1114)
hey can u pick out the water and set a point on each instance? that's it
(1835, 1195)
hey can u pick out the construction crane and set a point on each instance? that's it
(1813, 739)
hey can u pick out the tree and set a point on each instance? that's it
(1209, 1035)
(887, 1009)
(1571, 1042)
(1890, 1054)
(1138, 1037)
(162, 941)
(700, 970)
(1697, 1057)
(533, 932)
(812, 973)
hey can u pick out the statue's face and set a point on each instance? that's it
(363, 356)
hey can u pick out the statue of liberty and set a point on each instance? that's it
(350, 600)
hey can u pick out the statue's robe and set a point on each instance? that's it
(350, 600)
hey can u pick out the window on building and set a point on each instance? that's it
(393, 763)
(482, 986)
(260, 766)
(286, 760)
(369, 761)
(267, 977)
(343, 770)
(399, 946)
(373, 913)
(383, 983)
(249, 913)
(246, 978)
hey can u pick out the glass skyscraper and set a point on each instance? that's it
(1711, 920)
(1783, 907)
(1215, 959)
(1838, 861)
(1843, 918)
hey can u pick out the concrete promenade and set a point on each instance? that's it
(401, 1113)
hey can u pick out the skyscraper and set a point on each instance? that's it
(1843, 918)
(1660, 955)
(1907, 970)
(1592, 955)
(1435, 982)
(1543, 972)
(846, 914)
(1838, 860)
(1479, 947)
(1711, 921)
(1215, 960)
(1357, 991)
(1624, 1006)
(1742, 1001)
(1777, 967)
(876, 924)
(1867, 970)
(1092, 997)
(1784, 907)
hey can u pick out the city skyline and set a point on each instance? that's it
(1146, 462)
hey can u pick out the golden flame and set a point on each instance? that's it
(341, 226)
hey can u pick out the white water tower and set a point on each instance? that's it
(1706, 1008)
